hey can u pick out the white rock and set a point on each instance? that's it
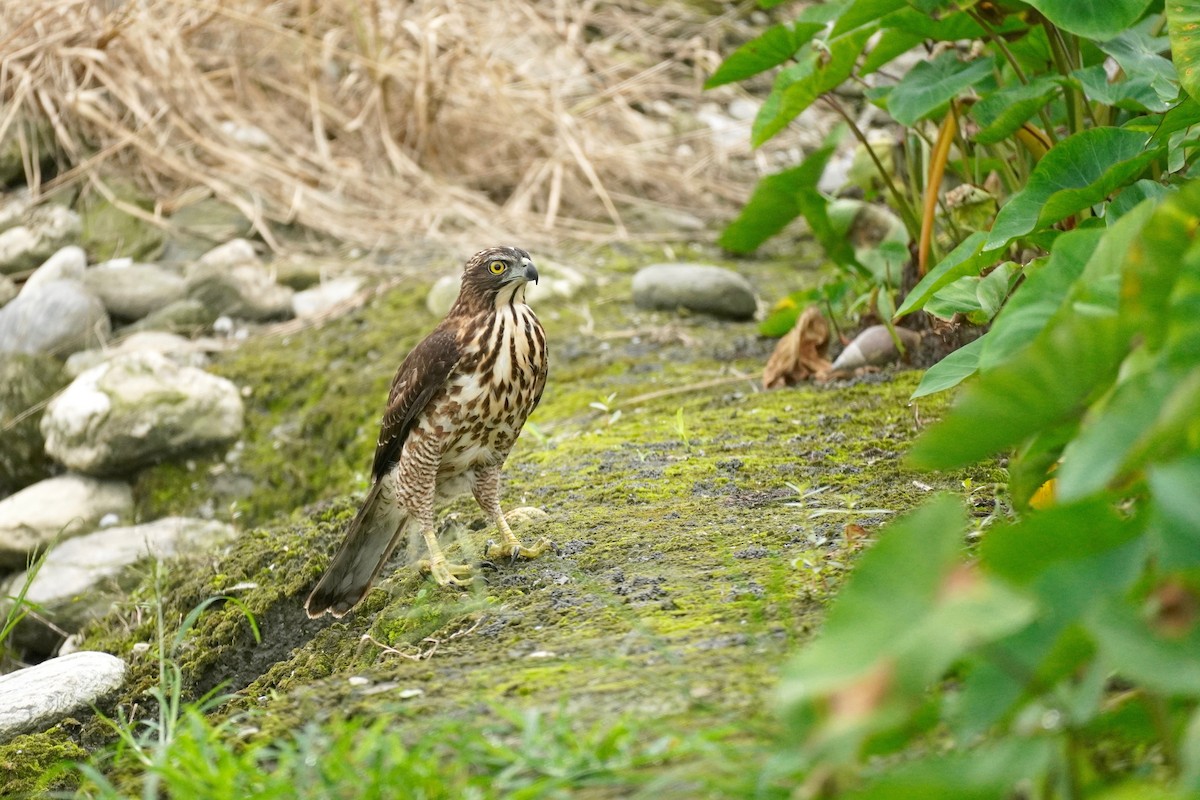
(184, 352)
(14, 207)
(875, 347)
(59, 318)
(233, 253)
(69, 587)
(8, 289)
(136, 409)
(133, 291)
(245, 291)
(35, 698)
(45, 230)
(316, 301)
(72, 504)
(66, 264)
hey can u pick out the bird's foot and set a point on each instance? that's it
(513, 549)
(445, 573)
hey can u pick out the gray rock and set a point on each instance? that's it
(8, 290)
(184, 352)
(45, 230)
(26, 382)
(185, 316)
(131, 292)
(67, 264)
(14, 207)
(195, 227)
(110, 231)
(697, 287)
(59, 317)
(79, 578)
(35, 698)
(316, 301)
(68, 504)
(137, 409)
(228, 283)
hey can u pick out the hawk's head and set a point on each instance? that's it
(497, 277)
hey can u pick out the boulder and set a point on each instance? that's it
(35, 698)
(195, 227)
(78, 579)
(184, 352)
(231, 281)
(67, 264)
(137, 409)
(697, 287)
(70, 505)
(44, 230)
(59, 318)
(132, 291)
(316, 301)
(185, 316)
(109, 231)
(26, 382)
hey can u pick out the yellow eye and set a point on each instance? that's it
(496, 267)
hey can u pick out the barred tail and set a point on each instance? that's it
(370, 539)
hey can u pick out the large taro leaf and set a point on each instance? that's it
(1094, 19)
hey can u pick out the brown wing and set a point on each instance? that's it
(423, 373)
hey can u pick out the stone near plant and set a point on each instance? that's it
(875, 347)
(63, 506)
(59, 318)
(697, 287)
(13, 208)
(26, 382)
(35, 698)
(110, 231)
(43, 231)
(80, 578)
(184, 352)
(138, 409)
(316, 301)
(231, 281)
(131, 291)
(185, 316)
(67, 264)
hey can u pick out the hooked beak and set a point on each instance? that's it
(526, 270)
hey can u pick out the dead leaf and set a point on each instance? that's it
(861, 698)
(1177, 609)
(798, 356)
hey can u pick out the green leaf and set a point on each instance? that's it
(1035, 461)
(960, 297)
(951, 370)
(774, 203)
(1099, 453)
(1132, 94)
(1175, 522)
(1183, 24)
(1093, 19)
(1131, 649)
(799, 85)
(896, 582)
(1138, 54)
(864, 12)
(1046, 285)
(968, 258)
(776, 45)
(1046, 384)
(931, 85)
(891, 44)
(1076, 173)
(999, 114)
(989, 771)
(994, 287)
(1166, 250)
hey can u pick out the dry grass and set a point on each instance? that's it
(375, 121)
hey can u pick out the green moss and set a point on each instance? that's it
(34, 764)
(693, 558)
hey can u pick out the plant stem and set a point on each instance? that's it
(902, 205)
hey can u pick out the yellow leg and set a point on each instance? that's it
(436, 565)
(512, 547)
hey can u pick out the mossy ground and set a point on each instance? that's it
(700, 530)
